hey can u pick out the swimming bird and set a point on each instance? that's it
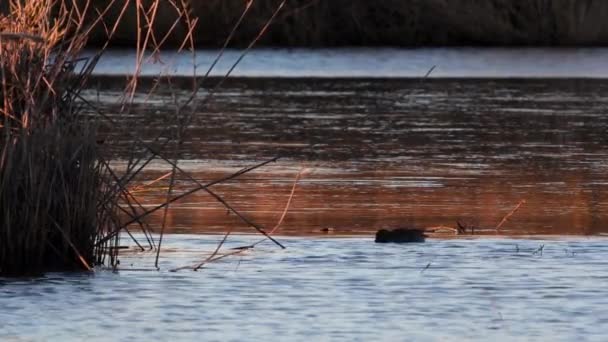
(400, 235)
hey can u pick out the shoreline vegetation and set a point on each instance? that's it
(63, 207)
(50, 180)
(404, 23)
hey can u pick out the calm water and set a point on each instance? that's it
(386, 153)
(378, 153)
(346, 289)
(375, 63)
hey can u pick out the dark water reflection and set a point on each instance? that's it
(334, 289)
(387, 153)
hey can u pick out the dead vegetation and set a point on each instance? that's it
(466, 227)
(63, 203)
(50, 178)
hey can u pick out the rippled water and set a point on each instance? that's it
(347, 289)
(380, 153)
(387, 153)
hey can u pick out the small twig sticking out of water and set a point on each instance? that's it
(539, 251)
(165, 212)
(441, 229)
(189, 118)
(462, 229)
(426, 267)
(238, 264)
(504, 219)
(115, 232)
(142, 187)
(428, 73)
(287, 205)
(217, 249)
(238, 250)
(293, 191)
(200, 186)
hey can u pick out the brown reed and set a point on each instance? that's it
(59, 197)
(49, 175)
(62, 204)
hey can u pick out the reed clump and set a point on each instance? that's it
(63, 206)
(50, 176)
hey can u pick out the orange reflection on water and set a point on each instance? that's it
(362, 202)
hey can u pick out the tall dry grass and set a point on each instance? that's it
(50, 175)
(61, 203)
(63, 206)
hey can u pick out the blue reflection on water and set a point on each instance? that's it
(338, 288)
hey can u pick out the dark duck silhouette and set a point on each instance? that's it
(400, 235)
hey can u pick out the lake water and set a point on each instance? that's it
(381, 150)
(341, 289)
(374, 63)
(389, 153)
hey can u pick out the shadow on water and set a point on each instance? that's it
(388, 153)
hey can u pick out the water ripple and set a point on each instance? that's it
(339, 289)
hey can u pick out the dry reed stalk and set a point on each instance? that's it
(288, 204)
(52, 174)
(179, 109)
(506, 217)
(441, 229)
(62, 205)
(142, 187)
(239, 250)
(274, 229)
(49, 178)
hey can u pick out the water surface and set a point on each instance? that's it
(327, 289)
(388, 153)
(374, 62)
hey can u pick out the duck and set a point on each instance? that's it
(400, 235)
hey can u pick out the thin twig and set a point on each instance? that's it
(243, 248)
(504, 219)
(187, 193)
